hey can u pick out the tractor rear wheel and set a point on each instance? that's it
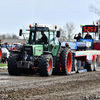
(12, 64)
(45, 65)
(66, 61)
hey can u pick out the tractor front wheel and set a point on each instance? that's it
(45, 65)
(12, 64)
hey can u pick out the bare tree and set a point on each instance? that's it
(95, 9)
(62, 35)
(67, 33)
(14, 36)
(3, 36)
(69, 29)
(8, 36)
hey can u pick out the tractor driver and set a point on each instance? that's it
(43, 38)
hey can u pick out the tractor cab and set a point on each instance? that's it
(44, 38)
(36, 35)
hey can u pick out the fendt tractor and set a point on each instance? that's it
(37, 56)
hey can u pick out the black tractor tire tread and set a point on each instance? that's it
(43, 65)
(12, 64)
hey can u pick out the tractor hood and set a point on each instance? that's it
(33, 50)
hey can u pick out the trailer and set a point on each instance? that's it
(86, 53)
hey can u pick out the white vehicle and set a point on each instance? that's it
(5, 54)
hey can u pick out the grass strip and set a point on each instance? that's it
(3, 65)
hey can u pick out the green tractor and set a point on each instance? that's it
(46, 58)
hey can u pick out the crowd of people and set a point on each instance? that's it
(87, 36)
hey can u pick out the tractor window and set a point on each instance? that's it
(40, 37)
(56, 39)
(51, 37)
(31, 38)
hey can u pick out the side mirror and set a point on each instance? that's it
(58, 34)
(20, 32)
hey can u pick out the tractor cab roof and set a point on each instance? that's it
(40, 28)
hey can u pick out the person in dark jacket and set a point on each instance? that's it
(88, 36)
(43, 38)
(78, 37)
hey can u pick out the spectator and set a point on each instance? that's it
(78, 37)
(88, 36)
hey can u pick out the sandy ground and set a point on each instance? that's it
(78, 86)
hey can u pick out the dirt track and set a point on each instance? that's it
(84, 86)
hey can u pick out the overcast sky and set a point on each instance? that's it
(16, 14)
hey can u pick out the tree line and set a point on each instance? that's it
(66, 33)
(9, 36)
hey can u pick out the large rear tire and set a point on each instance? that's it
(66, 61)
(12, 64)
(45, 65)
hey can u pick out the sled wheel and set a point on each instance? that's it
(76, 66)
(96, 64)
(90, 67)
